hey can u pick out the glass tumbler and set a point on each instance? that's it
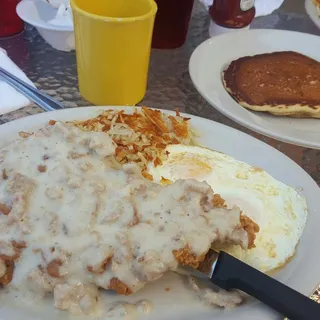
(172, 23)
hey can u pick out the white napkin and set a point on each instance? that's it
(10, 99)
(263, 7)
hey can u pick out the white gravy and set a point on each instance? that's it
(77, 222)
(218, 297)
(129, 311)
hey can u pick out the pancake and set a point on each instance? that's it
(282, 83)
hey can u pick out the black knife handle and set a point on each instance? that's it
(231, 273)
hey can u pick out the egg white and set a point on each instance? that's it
(278, 209)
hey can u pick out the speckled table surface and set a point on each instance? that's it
(169, 83)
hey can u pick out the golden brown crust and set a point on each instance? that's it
(42, 168)
(7, 277)
(53, 268)
(218, 202)
(187, 258)
(251, 227)
(4, 174)
(18, 245)
(165, 182)
(282, 83)
(147, 175)
(102, 268)
(9, 261)
(4, 209)
(246, 223)
(119, 287)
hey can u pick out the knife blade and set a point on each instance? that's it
(229, 273)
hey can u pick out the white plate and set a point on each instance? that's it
(312, 12)
(214, 55)
(303, 273)
(38, 13)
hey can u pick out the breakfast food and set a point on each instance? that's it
(317, 5)
(282, 83)
(279, 210)
(142, 136)
(74, 220)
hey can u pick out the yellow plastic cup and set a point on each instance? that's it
(113, 43)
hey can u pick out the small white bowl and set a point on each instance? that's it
(37, 13)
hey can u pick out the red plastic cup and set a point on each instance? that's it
(10, 23)
(172, 23)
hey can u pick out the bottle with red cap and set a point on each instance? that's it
(228, 15)
(10, 23)
(171, 23)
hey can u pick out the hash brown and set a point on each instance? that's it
(142, 136)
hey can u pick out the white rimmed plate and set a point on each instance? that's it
(180, 303)
(214, 55)
(312, 12)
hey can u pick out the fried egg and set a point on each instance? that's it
(279, 210)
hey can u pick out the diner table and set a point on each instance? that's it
(169, 85)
